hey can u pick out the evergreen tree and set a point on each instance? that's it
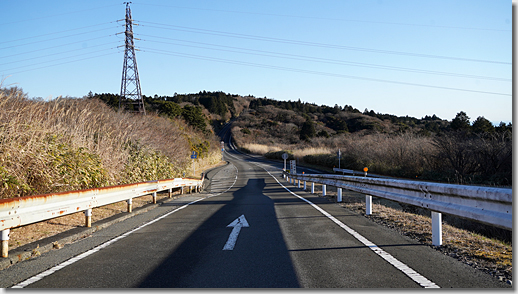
(482, 125)
(460, 122)
(307, 131)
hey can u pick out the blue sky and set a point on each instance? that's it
(400, 57)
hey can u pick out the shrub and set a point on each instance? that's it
(68, 144)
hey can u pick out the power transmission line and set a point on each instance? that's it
(61, 63)
(326, 18)
(52, 47)
(228, 61)
(58, 53)
(55, 15)
(317, 59)
(55, 33)
(53, 39)
(61, 58)
(313, 44)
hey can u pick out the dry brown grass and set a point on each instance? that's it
(69, 144)
(300, 153)
(490, 255)
(260, 148)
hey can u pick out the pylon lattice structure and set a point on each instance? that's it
(131, 95)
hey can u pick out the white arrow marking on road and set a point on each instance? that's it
(237, 224)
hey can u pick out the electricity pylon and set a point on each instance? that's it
(131, 95)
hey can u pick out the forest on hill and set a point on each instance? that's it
(429, 148)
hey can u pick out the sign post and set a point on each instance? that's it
(284, 156)
(194, 155)
(339, 155)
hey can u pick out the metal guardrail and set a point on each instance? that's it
(16, 212)
(492, 206)
(358, 173)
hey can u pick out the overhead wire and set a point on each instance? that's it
(313, 44)
(61, 58)
(58, 53)
(254, 52)
(55, 33)
(61, 63)
(324, 18)
(228, 61)
(56, 46)
(59, 14)
(53, 39)
(314, 59)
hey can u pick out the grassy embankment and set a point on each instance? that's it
(70, 144)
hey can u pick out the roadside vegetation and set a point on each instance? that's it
(430, 148)
(77, 143)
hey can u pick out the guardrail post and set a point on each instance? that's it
(304, 185)
(312, 188)
(181, 191)
(368, 204)
(339, 194)
(154, 197)
(4, 246)
(170, 192)
(130, 204)
(323, 190)
(436, 228)
(88, 218)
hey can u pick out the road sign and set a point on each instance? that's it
(194, 155)
(293, 167)
(285, 156)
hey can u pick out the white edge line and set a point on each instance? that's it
(72, 260)
(416, 277)
(412, 274)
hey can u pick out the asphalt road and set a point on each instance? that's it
(277, 239)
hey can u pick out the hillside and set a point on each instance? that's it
(429, 148)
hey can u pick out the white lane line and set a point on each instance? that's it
(415, 276)
(108, 243)
(412, 274)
